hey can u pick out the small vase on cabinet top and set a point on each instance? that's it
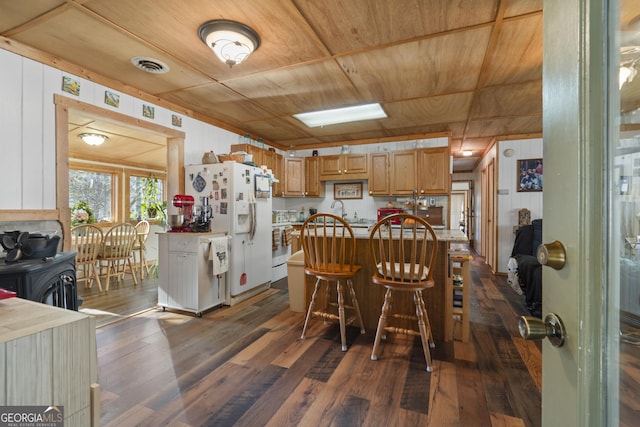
(209, 157)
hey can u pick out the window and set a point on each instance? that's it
(145, 198)
(93, 188)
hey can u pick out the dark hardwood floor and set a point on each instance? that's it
(246, 366)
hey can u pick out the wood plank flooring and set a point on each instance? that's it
(246, 366)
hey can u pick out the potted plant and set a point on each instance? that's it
(81, 213)
(152, 207)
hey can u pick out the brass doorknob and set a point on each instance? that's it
(552, 255)
(532, 328)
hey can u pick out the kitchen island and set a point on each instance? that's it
(371, 297)
(185, 272)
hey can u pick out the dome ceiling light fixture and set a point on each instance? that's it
(231, 41)
(93, 138)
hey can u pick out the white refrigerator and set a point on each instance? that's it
(241, 204)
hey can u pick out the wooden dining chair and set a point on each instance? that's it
(116, 251)
(86, 240)
(329, 253)
(142, 230)
(403, 258)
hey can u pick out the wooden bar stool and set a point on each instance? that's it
(329, 252)
(402, 260)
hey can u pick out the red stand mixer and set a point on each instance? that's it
(182, 222)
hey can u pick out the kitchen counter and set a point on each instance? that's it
(370, 297)
(48, 356)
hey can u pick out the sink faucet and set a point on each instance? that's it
(343, 213)
(414, 199)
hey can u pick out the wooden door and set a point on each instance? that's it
(313, 186)
(278, 171)
(433, 171)
(294, 177)
(379, 184)
(490, 256)
(354, 166)
(403, 172)
(329, 167)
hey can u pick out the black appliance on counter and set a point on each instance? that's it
(50, 280)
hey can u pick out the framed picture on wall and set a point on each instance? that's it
(529, 175)
(347, 190)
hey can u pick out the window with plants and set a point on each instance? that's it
(146, 200)
(89, 196)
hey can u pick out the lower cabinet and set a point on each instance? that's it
(48, 359)
(186, 280)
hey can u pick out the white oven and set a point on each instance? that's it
(280, 249)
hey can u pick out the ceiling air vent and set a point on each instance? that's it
(150, 65)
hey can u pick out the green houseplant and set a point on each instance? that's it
(151, 205)
(81, 213)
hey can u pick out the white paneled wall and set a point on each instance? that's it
(27, 120)
(508, 200)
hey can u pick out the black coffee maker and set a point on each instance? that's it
(202, 216)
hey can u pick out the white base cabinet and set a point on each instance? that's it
(186, 280)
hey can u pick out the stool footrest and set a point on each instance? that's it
(404, 331)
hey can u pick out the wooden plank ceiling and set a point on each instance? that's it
(469, 67)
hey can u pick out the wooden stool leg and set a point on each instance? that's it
(422, 325)
(354, 303)
(311, 307)
(432, 343)
(382, 323)
(341, 318)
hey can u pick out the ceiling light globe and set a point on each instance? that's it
(232, 42)
(93, 138)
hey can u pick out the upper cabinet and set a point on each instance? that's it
(379, 179)
(404, 167)
(278, 171)
(390, 173)
(313, 186)
(343, 167)
(294, 177)
(434, 176)
(256, 152)
(425, 170)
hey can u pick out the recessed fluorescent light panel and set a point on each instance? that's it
(342, 115)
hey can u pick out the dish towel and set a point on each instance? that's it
(275, 239)
(286, 236)
(219, 254)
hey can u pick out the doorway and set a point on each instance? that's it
(114, 122)
(461, 208)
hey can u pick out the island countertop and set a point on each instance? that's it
(449, 236)
(370, 297)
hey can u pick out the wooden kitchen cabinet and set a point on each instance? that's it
(404, 168)
(343, 167)
(425, 170)
(278, 171)
(268, 159)
(433, 171)
(256, 152)
(312, 184)
(379, 179)
(294, 177)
